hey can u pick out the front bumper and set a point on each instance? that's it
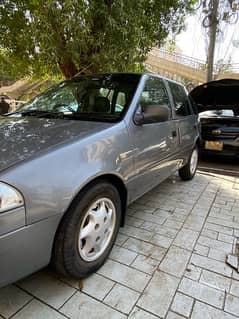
(229, 149)
(26, 249)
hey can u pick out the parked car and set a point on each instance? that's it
(74, 157)
(218, 105)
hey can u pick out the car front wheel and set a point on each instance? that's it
(88, 231)
(188, 171)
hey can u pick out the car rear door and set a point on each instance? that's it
(185, 119)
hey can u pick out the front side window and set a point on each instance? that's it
(103, 97)
(154, 93)
(181, 102)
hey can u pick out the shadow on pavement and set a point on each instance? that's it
(219, 165)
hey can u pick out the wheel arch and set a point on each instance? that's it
(115, 180)
(110, 178)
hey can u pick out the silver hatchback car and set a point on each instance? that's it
(74, 157)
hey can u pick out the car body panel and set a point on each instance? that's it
(69, 168)
(12, 220)
(26, 249)
(22, 138)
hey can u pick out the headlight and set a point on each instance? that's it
(9, 198)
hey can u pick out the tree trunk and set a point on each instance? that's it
(212, 40)
(68, 69)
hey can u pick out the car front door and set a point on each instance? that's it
(155, 143)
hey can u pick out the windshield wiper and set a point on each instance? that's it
(40, 113)
(93, 117)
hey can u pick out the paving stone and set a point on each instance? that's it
(97, 286)
(232, 305)
(47, 288)
(163, 213)
(11, 300)
(162, 230)
(122, 298)
(37, 310)
(125, 275)
(232, 260)
(85, 307)
(136, 232)
(182, 304)
(145, 264)
(158, 295)
(211, 264)
(223, 214)
(217, 254)
(223, 222)
(161, 241)
(121, 239)
(216, 244)
(144, 248)
(204, 311)
(201, 292)
(210, 233)
(150, 217)
(173, 315)
(186, 238)
(193, 272)
(133, 221)
(122, 255)
(201, 250)
(235, 288)
(173, 224)
(226, 238)
(219, 228)
(235, 274)
(194, 222)
(138, 313)
(180, 217)
(175, 261)
(216, 281)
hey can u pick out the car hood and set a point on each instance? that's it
(217, 95)
(22, 138)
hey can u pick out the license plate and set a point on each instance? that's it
(215, 146)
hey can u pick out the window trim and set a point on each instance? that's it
(190, 109)
(147, 77)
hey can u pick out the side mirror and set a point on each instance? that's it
(152, 114)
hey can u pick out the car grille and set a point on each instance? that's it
(208, 134)
(228, 135)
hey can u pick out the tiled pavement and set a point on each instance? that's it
(168, 262)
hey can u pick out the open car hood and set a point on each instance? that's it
(217, 95)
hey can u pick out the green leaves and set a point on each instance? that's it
(39, 37)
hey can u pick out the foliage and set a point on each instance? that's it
(39, 37)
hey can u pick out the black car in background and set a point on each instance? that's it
(218, 107)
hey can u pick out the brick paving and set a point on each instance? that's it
(168, 262)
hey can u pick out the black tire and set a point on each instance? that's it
(186, 173)
(66, 257)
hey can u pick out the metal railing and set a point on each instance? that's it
(192, 62)
(179, 58)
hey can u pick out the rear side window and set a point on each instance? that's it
(154, 93)
(181, 102)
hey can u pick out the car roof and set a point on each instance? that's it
(77, 76)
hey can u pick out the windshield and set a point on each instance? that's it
(101, 97)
